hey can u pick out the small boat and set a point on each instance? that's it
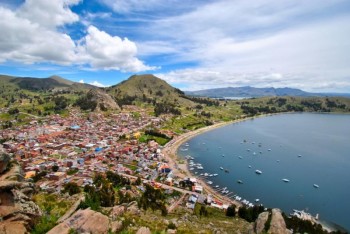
(316, 186)
(278, 161)
(299, 155)
(240, 181)
(226, 171)
(206, 174)
(210, 182)
(257, 200)
(250, 166)
(248, 150)
(240, 157)
(269, 150)
(221, 168)
(254, 153)
(258, 172)
(215, 174)
(191, 169)
(217, 186)
(285, 180)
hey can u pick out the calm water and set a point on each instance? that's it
(305, 148)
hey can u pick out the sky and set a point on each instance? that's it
(192, 44)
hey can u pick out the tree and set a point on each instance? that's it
(231, 211)
(71, 188)
(55, 168)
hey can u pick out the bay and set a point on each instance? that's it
(304, 148)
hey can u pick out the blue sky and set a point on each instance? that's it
(194, 44)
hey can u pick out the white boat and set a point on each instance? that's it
(206, 174)
(215, 174)
(257, 200)
(199, 167)
(240, 157)
(240, 181)
(285, 180)
(258, 172)
(299, 155)
(250, 166)
(221, 168)
(210, 182)
(191, 169)
(269, 150)
(316, 186)
(217, 186)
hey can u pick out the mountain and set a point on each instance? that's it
(148, 88)
(40, 84)
(248, 91)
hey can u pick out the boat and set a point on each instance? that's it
(206, 174)
(217, 186)
(199, 167)
(316, 186)
(269, 150)
(257, 200)
(240, 157)
(285, 180)
(226, 170)
(254, 153)
(215, 174)
(299, 155)
(258, 172)
(210, 182)
(248, 150)
(221, 168)
(250, 166)
(240, 181)
(191, 169)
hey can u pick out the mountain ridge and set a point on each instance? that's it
(248, 91)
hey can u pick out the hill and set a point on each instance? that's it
(42, 84)
(248, 91)
(148, 89)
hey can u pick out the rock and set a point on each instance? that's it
(277, 225)
(117, 211)
(144, 230)
(17, 227)
(4, 161)
(133, 209)
(84, 221)
(116, 226)
(171, 231)
(102, 99)
(260, 222)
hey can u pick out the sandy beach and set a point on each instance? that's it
(181, 170)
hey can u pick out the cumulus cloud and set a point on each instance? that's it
(81, 81)
(98, 84)
(33, 34)
(49, 13)
(104, 51)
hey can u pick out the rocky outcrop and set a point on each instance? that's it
(4, 161)
(144, 230)
(87, 221)
(260, 222)
(103, 100)
(17, 210)
(277, 225)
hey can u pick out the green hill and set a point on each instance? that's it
(149, 89)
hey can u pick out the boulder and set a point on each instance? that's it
(117, 211)
(277, 225)
(133, 209)
(116, 226)
(260, 222)
(4, 161)
(84, 221)
(144, 230)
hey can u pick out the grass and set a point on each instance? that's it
(159, 140)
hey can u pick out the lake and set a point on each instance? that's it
(304, 148)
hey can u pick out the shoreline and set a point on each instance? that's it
(181, 170)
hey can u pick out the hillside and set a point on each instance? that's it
(42, 84)
(147, 88)
(248, 91)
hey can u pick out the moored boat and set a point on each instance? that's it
(258, 172)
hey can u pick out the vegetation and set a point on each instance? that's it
(71, 188)
(154, 199)
(53, 207)
(250, 214)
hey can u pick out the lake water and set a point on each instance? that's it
(304, 148)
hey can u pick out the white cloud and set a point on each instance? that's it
(32, 34)
(98, 84)
(49, 13)
(81, 81)
(104, 51)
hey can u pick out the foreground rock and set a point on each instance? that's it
(260, 222)
(277, 225)
(17, 210)
(87, 221)
(144, 230)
